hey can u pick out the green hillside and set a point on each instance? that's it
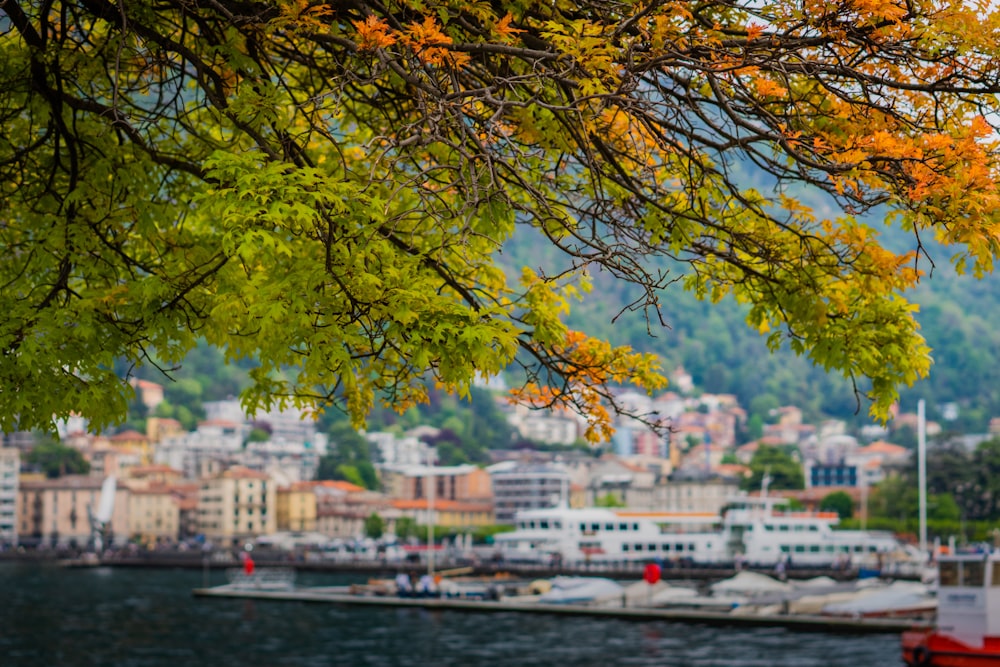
(960, 318)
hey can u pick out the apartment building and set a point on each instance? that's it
(237, 505)
(10, 466)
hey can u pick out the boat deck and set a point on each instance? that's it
(341, 595)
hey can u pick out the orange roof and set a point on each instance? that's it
(128, 436)
(341, 485)
(443, 505)
(146, 384)
(887, 448)
(242, 472)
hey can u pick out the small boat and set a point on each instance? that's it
(901, 599)
(264, 579)
(967, 632)
(580, 590)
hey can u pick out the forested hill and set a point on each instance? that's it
(959, 316)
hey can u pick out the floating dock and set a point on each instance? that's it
(340, 595)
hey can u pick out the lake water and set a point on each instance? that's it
(51, 616)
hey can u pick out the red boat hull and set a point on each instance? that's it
(929, 649)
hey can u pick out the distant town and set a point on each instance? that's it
(219, 485)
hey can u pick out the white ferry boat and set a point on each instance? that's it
(753, 530)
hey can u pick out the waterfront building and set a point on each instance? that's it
(237, 505)
(186, 495)
(447, 513)
(296, 506)
(342, 508)
(10, 467)
(518, 486)
(56, 512)
(462, 483)
(702, 494)
(628, 484)
(154, 474)
(154, 514)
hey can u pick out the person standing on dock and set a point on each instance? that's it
(404, 588)
(426, 587)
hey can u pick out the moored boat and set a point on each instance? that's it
(754, 531)
(967, 632)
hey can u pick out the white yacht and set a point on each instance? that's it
(755, 530)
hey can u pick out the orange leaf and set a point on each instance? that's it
(373, 34)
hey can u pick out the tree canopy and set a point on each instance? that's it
(325, 187)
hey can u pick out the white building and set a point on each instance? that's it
(519, 487)
(390, 450)
(10, 468)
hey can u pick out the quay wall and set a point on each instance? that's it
(219, 560)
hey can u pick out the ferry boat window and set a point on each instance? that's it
(948, 574)
(623, 526)
(638, 547)
(635, 526)
(782, 529)
(800, 548)
(691, 547)
(995, 579)
(624, 547)
(973, 573)
(583, 528)
(595, 527)
(666, 547)
(784, 548)
(609, 526)
(813, 529)
(858, 548)
(678, 547)
(814, 549)
(768, 527)
(543, 524)
(557, 524)
(652, 547)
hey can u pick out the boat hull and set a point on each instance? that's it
(929, 649)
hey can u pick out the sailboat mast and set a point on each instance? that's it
(922, 473)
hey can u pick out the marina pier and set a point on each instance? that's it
(342, 596)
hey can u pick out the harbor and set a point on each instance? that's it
(148, 617)
(797, 622)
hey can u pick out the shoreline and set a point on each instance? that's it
(221, 560)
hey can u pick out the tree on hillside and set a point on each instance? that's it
(783, 471)
(839, 502)
(324, 187)
(348, 458)
(56, 459)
